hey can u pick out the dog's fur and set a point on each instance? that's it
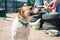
(19, 31)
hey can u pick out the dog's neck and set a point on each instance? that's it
(23, 23)
(26, 20)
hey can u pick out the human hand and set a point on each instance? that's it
(49, 8)
(51, 5)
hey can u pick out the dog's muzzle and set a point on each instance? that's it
(32, 13)
(36, 10)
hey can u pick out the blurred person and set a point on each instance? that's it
(46, 2)
(38, 3)
(53, 4)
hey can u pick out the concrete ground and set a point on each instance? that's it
(5, 31)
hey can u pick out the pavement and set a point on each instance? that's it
(5, 30)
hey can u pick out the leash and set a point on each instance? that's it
(25, 24)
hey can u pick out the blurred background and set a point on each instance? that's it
(12, 5)
(8, 13)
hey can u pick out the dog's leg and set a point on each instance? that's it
(14, 36)
(14, 28)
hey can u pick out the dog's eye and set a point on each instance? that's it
(30, 8)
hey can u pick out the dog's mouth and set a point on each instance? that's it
(31, 14)
(36, 11)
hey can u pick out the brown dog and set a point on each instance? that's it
(20, 26)
(24, 13)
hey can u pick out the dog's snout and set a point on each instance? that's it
(31, 13)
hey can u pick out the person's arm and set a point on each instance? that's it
(52, 5)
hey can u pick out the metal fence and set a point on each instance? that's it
(10, 5)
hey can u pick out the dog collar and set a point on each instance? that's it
(25, 24)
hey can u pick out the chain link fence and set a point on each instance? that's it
(10, 5)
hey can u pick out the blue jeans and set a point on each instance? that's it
(58, 8)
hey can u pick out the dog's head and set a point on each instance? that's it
(36, 10)
(24, 12)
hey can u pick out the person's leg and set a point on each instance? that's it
(58, 8)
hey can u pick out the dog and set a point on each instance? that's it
(21, 25)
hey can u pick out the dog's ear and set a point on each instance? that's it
(25, 4)
(20, 13)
